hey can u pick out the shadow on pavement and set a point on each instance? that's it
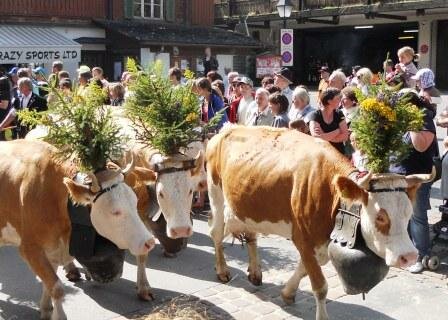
(21, 285)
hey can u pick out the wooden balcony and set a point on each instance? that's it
(234, 8)
(63, 9)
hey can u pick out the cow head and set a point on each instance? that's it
(386, 210)
(175, 184)
(113, 208)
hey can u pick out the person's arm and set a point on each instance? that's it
(4, 104)
(343, 134)
(316, 131)
(422, 140)
(10, 117)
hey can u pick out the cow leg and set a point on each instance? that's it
(216, 223)
(312, 259)
(255, 276)
(143, 287)
(46, 307)
(290, 289)
(42, 267)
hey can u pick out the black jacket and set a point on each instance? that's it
(35, 103)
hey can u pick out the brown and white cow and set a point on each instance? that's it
(277, 181)
(33, 216)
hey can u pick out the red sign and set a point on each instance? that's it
(424, 48)
(268, 65)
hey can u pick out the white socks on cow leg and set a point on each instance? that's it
(45, 305)
(290, 289)
(321, 306)
(57, 294)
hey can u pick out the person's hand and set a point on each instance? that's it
(317, 130)
(398, 68)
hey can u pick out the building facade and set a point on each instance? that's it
(106, 32)
(343, 33)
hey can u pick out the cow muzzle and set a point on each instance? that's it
(180, 232)
(406, 260)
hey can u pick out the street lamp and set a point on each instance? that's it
(284, 8)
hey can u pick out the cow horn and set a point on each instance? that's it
(364, 182)
(198, 163)
(130, 167)
(414, 179)
(95, 185)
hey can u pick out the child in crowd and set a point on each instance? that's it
(278, 103)
(388, 67)
(406, 68)
(359, 159)
(299, 125)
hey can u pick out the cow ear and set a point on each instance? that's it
(144, 174)
(348, 189)
(79, 193)
(198, 163)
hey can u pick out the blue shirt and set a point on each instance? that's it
(214, 106)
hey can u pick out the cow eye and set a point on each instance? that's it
(116, 213)
(191, 191)
(160, 194)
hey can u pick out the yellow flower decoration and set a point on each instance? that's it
(191, 117)
(372, 105)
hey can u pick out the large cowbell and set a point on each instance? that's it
(358, 267)
(101, 258)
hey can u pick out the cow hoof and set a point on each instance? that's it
(146, 295)
(288, 299)
(73, 275)
(255, 278)
(224, 277)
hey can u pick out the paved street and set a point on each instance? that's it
(402, 296)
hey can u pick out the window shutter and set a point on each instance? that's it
(169, 10)
(128, 9)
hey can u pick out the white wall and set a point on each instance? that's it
(165, 58)
(146, 57)
(225, 62)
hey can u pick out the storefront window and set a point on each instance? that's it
(148, 9)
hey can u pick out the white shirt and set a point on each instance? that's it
(26, 100)
(243, 109)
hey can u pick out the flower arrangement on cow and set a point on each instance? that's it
(383, 118)
(166, 117)
(81, 127)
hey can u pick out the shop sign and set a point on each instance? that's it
(268, 65)
(38, 55)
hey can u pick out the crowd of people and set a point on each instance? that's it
(274, 104)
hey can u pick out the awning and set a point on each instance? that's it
(26, 44)
(151, 33)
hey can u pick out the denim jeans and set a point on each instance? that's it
(418, 226)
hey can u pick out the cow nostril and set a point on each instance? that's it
(149, 244)
(173, 232)
(403, 260)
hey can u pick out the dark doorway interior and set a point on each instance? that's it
(344, 47)
(442, 54)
